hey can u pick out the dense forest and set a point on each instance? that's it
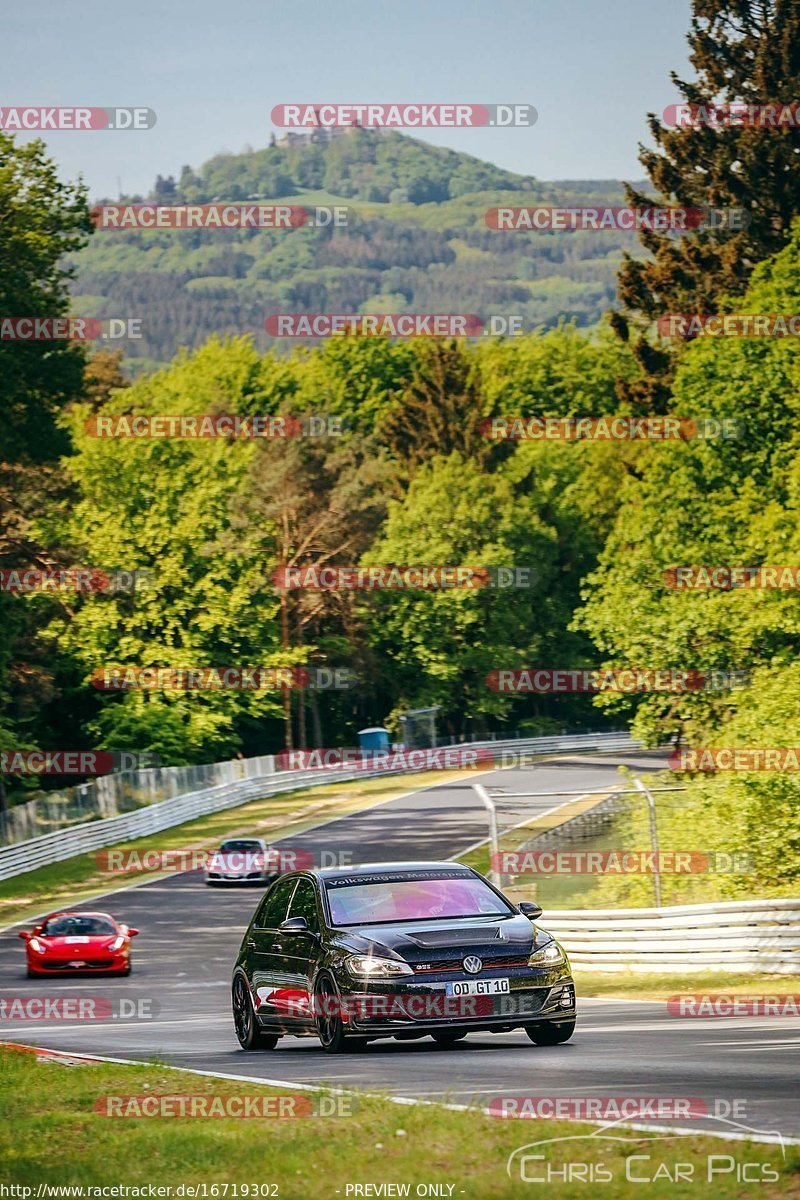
(416, 240)
(408, 476)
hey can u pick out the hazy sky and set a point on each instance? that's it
(213, 71)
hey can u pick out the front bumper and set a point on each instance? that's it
(243, 877)
(421, 1008)
(117, 965)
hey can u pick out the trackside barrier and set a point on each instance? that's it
(263, 781)
(743, 935)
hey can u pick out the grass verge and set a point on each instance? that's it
(273, 818)
(627, 985)
(52, 1134)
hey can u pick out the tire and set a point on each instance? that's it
(248, 1033)
(330, 1027)
(551, 1034)
(446, 1039)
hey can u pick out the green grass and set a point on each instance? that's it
(50, 1133)
(272, 818)
(629, 986)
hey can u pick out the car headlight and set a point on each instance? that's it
(116, 945)
(547, 956)
(36, 945)
(364, 966)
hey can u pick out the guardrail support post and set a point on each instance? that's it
(494, 848)
(651, 806)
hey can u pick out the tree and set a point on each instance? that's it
(167, 505)
(439, 411)
(43, 222)
(713, 501)
(165, 190)
(438, 646)
(312, 503)
(102, 376)
(741, 50)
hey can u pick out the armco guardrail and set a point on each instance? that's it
(744, 936)
(91, 835)
(126, 791)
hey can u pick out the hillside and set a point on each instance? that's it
(416, 241)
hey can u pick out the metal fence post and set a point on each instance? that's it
(494, 848)
(651, 806)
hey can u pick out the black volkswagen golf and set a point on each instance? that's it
(398, 950)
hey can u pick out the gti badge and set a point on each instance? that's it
(472, 964)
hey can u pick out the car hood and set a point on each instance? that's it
(446, 940)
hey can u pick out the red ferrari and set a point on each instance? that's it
(66, 942)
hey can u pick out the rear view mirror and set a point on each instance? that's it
(132, 932)
(530, 910)
(23, 933)
(294, 925)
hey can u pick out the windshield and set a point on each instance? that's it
(240, 846)
(375, 900)
(78, 926)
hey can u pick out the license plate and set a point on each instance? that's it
(77, 964)
(76, 941)
(478, 987)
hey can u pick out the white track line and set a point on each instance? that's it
(767, 1138)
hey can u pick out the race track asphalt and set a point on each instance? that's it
(190, 935)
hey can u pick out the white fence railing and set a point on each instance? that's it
(91, 835)
(743, 935)
(122, 792)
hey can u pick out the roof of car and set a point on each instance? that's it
(71, 912)
(384, 868)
